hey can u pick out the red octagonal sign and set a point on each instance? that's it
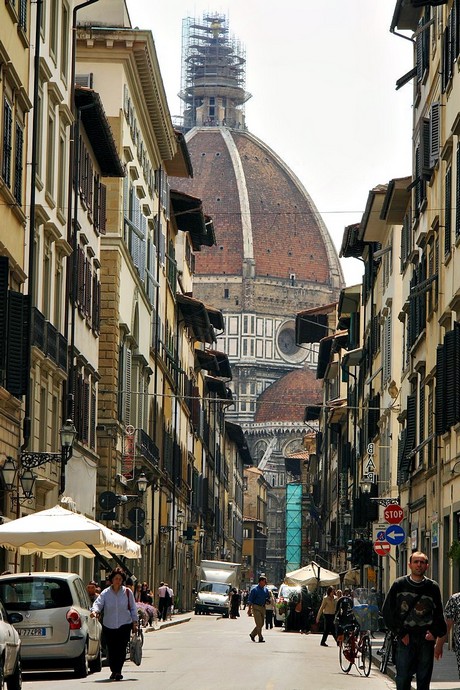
(393, 514)
(382, 548)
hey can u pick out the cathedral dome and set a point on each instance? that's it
(266, 224)
(286, 399)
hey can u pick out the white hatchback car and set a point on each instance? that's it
(282, 601)
(10, 652)
(51, 613)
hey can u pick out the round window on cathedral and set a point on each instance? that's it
(286, 343)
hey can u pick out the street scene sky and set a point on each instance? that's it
(322, 77)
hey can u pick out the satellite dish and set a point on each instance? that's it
(107, 500)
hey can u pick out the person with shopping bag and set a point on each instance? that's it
(120, 617)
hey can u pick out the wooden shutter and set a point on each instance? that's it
(448, 212)
(7, 141)
(102, 209)
(440, 395)
(17, 343)
(457, 193)
(425, 148)
(18, 159)
(4, 277)
(434, 133)
(457, 372)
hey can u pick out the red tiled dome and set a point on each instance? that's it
(261, 212)
(286, 399)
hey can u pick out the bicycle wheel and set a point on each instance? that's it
(385, 653)
(345, 665)
(366, 655)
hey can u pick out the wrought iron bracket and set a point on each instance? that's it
(29, 460)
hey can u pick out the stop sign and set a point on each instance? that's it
(393, 514)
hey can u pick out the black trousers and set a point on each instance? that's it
(117, 640)
(329, 628)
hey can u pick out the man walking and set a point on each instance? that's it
(163, 601)
(258, 596)
(413, 611)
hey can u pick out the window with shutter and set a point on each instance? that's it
(17, 343)
(4, 278)
(386, 374)
(457, 372)
(449, 349)
(402, 471)
(7, 141)
(18, 163)
(421, 423)
(448, 211)
(434, 133)
(425, 147)
(440, 393)
(102, 198)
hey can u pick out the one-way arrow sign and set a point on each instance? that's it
(395, 535)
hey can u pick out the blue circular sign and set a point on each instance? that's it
(395, 535)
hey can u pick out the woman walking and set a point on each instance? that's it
(327, 608)
(120, 616)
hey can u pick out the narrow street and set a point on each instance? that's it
(209, 653)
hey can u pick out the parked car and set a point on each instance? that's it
(284, 593)
(51, 613)
(10, 652)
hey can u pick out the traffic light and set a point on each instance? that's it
(358, 552)
(350, 550)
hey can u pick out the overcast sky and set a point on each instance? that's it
(322, 74)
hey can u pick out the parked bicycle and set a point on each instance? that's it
(355, 648)
(386, 652)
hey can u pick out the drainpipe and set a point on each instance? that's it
(31, 277)
(72, 219)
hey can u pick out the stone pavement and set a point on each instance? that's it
(445, 671)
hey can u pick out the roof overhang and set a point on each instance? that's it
(372, 228)
(349, 301)
(352, 358)
(89, 105)
(311, 325)
(189, 216)
(352, 246)
(406, 16)
(196, 317)
(397, 200)
(180, 164)
(214, 361)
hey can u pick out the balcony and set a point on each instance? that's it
(48, 339)
(148, 449)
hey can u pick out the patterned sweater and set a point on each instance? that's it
(426, 614)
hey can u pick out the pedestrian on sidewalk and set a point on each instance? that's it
(452, 615)
(269, 611)
(120, 617)
(163, 600)
(413, 611)
(327, 609)
(258, 597)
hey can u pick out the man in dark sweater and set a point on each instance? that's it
(413, 611)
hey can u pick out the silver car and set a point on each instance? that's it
(10, 653)
(51, 613)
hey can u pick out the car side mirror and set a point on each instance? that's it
(15, 618)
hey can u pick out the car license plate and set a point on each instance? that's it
(32, 632)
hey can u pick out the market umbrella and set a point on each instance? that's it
(61, 532)
(312, 574)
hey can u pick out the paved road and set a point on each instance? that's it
(208, 653)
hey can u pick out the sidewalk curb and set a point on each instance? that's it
(167, 624)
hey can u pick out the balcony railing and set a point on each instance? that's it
(48, 339)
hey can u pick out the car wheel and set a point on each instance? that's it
(81, 665)
(14, 682)
(95, 666)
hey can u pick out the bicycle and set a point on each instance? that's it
(386, 652)
(355, 648)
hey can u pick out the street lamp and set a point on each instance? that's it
(366, 486)
(67, 435)
(142, 484)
